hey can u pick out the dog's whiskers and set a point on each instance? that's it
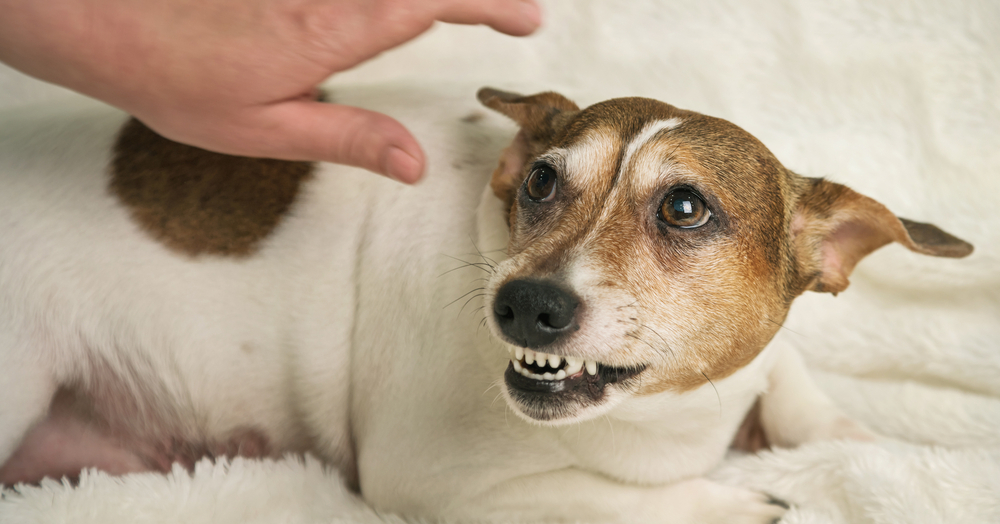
(492, 385)
(611, 426)
(490, 261)
(633, 305)
(637, 337)
(716, 391)
(782, 326)
(658, 335)
(489, 269)
(467, 264)
(463, 296)
(473, 297)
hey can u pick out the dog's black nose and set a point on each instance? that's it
(534, 313)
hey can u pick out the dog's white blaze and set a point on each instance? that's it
(648, 133)
(645, 163)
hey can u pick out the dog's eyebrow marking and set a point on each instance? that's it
(649, 132)
(587, 159)
(197, 202)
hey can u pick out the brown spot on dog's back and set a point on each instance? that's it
(198, 202)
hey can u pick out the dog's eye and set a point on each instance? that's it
(541, 184)
(684, 208)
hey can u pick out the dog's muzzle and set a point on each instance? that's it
(546, 386)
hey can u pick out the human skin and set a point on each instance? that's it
(239, 76)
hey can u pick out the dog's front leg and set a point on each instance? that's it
(573, 495)
(795, 411)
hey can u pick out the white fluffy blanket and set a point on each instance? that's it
(900, 100)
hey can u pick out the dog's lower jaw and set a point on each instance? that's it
(560, 401)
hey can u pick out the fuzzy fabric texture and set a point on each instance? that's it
(899, 100)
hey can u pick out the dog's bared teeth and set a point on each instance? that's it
(561, 367)
(573, 366)
(524, 372)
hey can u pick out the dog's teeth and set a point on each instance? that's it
(548, 376)
(573, 365)
(561, 374)
(555, 361)
(518, 353)
(517, 366)
(591, 367)
(529, 356)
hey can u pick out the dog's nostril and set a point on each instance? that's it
(504, 311)
(556, 321)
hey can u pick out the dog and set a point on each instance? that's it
(616, 283)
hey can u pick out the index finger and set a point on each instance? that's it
(513, 17)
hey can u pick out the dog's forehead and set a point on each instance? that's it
(622, 157)
(637, 141)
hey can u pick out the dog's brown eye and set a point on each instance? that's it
(684, 208)
(541, 184)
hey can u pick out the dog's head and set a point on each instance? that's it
(652, 249)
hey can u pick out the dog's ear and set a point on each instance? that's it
(541, 117)
(835, 227)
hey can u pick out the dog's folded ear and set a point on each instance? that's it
(835, 227)
(541, 117)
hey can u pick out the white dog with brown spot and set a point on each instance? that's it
(617, 284)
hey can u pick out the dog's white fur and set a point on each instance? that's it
(336, 334)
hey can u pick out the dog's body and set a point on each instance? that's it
(371, 323)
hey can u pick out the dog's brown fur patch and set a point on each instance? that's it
(197, 202)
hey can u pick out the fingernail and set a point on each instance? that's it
(531, 11)
(399, 165)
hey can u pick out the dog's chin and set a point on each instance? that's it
(575, 398)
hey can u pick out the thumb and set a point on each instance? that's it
(309, 130)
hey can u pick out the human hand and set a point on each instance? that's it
(239, 76)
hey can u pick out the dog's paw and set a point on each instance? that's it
(723, 504)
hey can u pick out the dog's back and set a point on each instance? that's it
(145, 347)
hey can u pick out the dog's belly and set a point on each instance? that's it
(75, 435)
